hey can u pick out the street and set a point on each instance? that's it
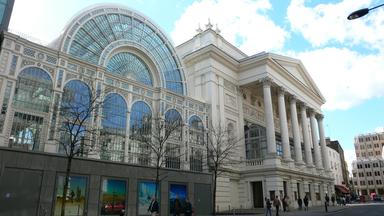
(367, 209)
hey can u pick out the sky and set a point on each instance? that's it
(344, 58)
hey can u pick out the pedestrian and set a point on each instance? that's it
(306, 203)
(188, 208)
(285, 204)
(326, 203)
(154, 207)
(269, 207)
(277, 204)
(333, 200)
(177, 207)
(300, 203)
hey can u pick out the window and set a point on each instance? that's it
(33, 90)
(139, 132)
(196, 131)
(354, 174)
(4, 106)
(173, 125)
(26, 131)
(114, 124)
(255, 142)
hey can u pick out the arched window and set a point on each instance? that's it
(196, 138)
(196, 130)
(76, 109)
(129, 65)
(33, 90)
(173, 127)
(139, 133)
(114, 124)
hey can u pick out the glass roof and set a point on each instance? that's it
(130, 66)
(97, 33)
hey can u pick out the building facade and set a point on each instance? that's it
(334, 159)
(368, 169)
(268, 100)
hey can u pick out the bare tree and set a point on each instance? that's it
(76, 133)
(222, 153)
(161, 136)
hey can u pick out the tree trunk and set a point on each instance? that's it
(214, 192)
(157, 177)
(66, 182)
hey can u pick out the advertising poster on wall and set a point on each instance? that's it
(113, 197)
(75, 198)
(177, 196)
(146, 191)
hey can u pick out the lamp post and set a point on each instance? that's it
(361, 12)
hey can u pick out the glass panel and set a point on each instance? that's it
(196, 130)
(255, 142)
(131, 66)
(75, 198)
(4, 107)
(96, 34)
(114, 124)
(113, 197)
(140, 128)
(33, 90)
(26, 131)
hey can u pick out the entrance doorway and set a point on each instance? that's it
(257, 189)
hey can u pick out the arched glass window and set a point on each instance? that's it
(76, 109)
(196, 138)
(93, 37)
(255, 142)
(130, 66)
(33, 90)
(196, 130)
(173, 126)
(139, 132)
(114, 124)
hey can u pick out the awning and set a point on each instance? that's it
(342, 189)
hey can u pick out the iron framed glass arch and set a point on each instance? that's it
(92, 37)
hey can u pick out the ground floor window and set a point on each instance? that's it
(74, 199)
(113, 198)
(26, 131)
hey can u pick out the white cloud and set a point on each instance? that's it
(345, 77)
(379, 129)
(242, 22)
(327, 23)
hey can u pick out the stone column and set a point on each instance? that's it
(296, 131)
(268, 110)
(284, 126)
(322, 143)
(315, 142)
(307, 146)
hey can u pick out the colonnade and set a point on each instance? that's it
(320, 160)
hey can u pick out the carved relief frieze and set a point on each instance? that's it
(26, 62)
(69, 76)
(230, 101)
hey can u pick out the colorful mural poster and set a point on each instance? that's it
(113, 197)
(177, 196)
(146, 190)
(75, 198)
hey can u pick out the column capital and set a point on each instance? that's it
(292, 98)
(267, 81)
(319, 116)
(303, 105)
(281, 90)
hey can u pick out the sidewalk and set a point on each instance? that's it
(316, 210)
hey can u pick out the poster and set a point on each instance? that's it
(177, 191)
(75, 198)
(146, 190)
(113, 197)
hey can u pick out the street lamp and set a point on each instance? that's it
(361, 12)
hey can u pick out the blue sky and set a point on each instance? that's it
(345, 58)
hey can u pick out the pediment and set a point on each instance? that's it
(296, 70)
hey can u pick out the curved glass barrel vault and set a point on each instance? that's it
(94, 36)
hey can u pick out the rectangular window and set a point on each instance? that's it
(26, 131)
(60, 78)
(146, 192)
(12, 68)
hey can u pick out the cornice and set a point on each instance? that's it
(212, 51)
